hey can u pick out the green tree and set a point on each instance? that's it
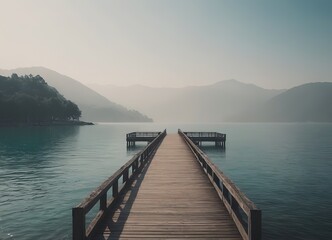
(30, 99)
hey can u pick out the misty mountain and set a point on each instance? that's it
(222, 101)
(94, 106)
(305, 103)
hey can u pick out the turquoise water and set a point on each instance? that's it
(284, 168)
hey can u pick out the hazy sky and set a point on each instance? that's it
(271, 43)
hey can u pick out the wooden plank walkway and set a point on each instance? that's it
(171, 199)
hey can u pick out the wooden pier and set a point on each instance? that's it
(170, 190)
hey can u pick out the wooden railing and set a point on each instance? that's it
(142, 134)
(205, 135)
(245, 214)
(127, 172)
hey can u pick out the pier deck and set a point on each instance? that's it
(172, 198)
(169, 190)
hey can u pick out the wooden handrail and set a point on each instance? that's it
(136, 164)
(205, 134)
(142, 134)
(245, 214)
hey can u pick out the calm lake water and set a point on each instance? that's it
(285, 169)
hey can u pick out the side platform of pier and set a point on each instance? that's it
(134, 137)
(199, 137)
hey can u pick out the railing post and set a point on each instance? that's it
(216, 179)
(136, 164)
(255, 225)
(103, 202)
(134, 167)
(142, 160)
(125, 176)
(78, 215)
(115, 188)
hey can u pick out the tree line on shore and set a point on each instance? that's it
(29, 99)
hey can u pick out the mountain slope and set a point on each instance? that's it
(211, 103)
(94, 106)
(305, 103)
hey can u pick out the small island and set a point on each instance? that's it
(29, 101)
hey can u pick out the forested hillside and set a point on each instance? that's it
(29, 99)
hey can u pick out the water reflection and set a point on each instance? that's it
(32, 147)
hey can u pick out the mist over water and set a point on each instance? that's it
(283, 168)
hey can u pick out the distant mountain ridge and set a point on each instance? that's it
(94, 106)
(227, 101)
(221, 101)
(309, 102)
